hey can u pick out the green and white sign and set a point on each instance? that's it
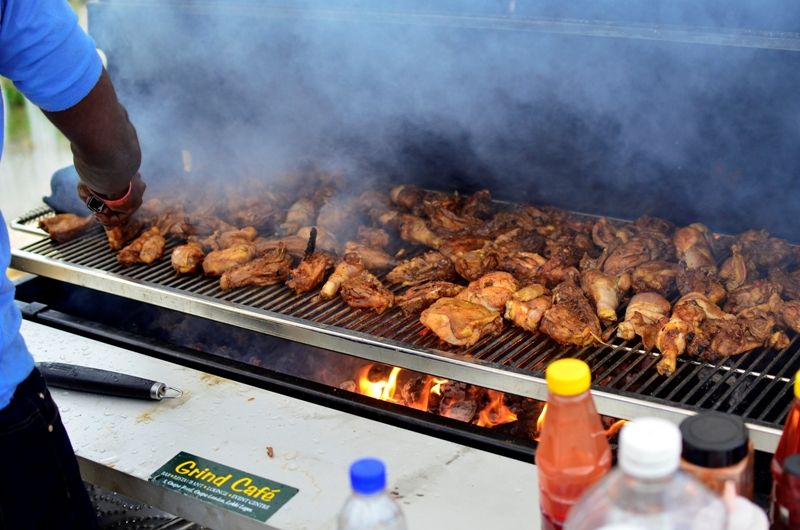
(223, 486)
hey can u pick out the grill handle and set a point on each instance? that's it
(97, 381)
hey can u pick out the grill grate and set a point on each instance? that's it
(756, 385)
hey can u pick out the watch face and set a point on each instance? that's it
(95, 204)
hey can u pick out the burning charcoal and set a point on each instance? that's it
(459, 401)
(349, 385)
(414, 391)
(461, 410)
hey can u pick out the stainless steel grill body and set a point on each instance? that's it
(756, 385)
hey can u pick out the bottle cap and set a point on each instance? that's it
(714, 439)
(649, 448)
(568, 377)
(367, 476)
(797, 384)
(791, 465)
(744, 515)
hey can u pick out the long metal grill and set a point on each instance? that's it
(756, 385)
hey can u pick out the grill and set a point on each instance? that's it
(755, 385)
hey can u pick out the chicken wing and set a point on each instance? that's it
(571, 319)
(431, 266)
(526, 267)
(217, 262)
(188, 258)
(147, 249)
(459, 322)
(350, 265)
(365, 291)
(528, 305)
(736, 269)
(418, 297)
(119, 236)
(492, 290)
(310, 272)
(750, 295)
(66, 226)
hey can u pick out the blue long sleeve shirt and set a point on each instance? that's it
(53, 62)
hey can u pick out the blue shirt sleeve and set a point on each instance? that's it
(45, 52)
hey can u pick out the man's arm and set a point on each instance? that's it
(104, 143)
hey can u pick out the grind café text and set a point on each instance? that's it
(244, 485)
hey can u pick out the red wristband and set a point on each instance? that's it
(115, 203)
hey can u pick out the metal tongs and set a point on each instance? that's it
(97, 381)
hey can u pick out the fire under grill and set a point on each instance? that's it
(755, 385)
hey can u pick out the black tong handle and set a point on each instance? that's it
(95, 380)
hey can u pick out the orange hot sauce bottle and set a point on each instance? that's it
(573, 451)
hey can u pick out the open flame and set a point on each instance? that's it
(496, 412)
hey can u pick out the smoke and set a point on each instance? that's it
(687, 110)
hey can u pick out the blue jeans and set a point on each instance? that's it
(41, 486)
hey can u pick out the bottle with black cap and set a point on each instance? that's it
(717, 450)
(786, 504)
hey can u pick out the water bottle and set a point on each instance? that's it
(370, 507)
(647, 490)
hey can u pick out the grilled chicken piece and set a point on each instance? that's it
(473, 264)
(350, 265)
(119, 236)
(365, 291)
(218, 262)
(629, 255)
(702, 280)
(764, 251)
(336, 216)
(310, 272)
(524, 266)
(373, 237)
(735, 271)
(603, 292)
(147, 249)
(270, 268)
(374, 259)
(302, 213)
(647, 223)
(723, 338)
(655, 276)
(606, 234)
(479, 205)
(431, 266)
(492, 290)
(295, 245)
(188, 258)
(447, 222)
(414, 230)
(645, 314)
(418, 297)
(557, 269)
(453, 246)
(571, 319)
(790, 315)
(200, 225)
(409, 197)
(687, 315)
(65, 226)
(263, 211)
(693, 246)
(528, 305)
(750, 295)
(220, 240)
(459, 322)
(789, 284)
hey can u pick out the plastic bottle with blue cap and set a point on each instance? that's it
(370, 507)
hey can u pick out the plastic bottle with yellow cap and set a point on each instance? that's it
(789, 443)
(573, 452)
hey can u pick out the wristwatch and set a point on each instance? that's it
(98, 204)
